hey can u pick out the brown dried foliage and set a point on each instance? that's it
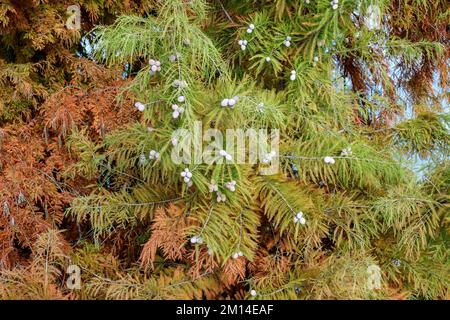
(33, 159)
(169, 231)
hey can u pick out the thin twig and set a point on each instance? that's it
(226, 12)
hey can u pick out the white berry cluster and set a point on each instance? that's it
(329, 160)
(180, 84)
(287, 41)
(213, 187)
(229, 102)
(177, 110)
(268, 157)
(196, 239)
(243, 44)
(346, 151)
(140, 106)
(268, 59)
(153, 155)
(293, 75)
(250, 28)
(397, 262)
(237, 254)
(299, 218)
(174, 141)
(260, 107)
(187, 175)
(142, 159)
(226, 155)
(253, 293)
(307, 1)
(231, 185)
(174, 57)
(221, 197)
(155, 66)
(334, 4)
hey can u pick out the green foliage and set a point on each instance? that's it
(426, 134)
(344, 151)
(365, 208)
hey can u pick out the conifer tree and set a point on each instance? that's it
(359, 206)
